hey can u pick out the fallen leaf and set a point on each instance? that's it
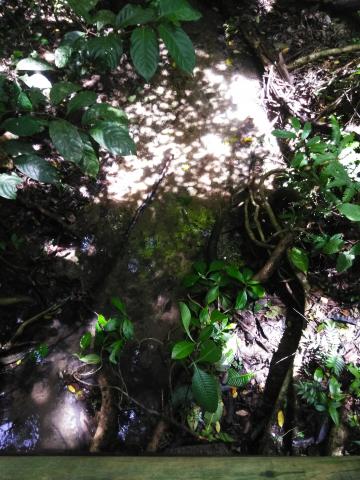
(234, 392)
(71, 388)
(280, 418)
(242, 413)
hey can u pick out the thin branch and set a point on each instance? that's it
(301, 61)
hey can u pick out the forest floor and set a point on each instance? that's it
(136, 230)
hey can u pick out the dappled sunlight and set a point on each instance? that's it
(213, 125)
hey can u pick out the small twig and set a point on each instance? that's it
(250, 232)
(299, 62)
(5, 301)
(33, 319)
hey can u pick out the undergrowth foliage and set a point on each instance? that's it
(210, 350)
(35, 110)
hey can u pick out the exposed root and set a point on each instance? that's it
(301, 61)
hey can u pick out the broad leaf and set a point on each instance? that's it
(38, 80)
(31, 64)
(37, 168)
(89, 163)
(185, 315)
(102, 18)
(114, 138)
(116, 348)
(212, 295)
(85, 341)
(8, 185)
(299, 259)
(62, 90)
(344, 261)
(134, 15)
(67, 140)
(17, 147)
(62, 55)
(350, 211)
(144, 51)
(127, 328)
(24, 126)
(106, 49)
(81, 100)
(179, 45)
(334, 244)
(241, 300)
(209, 352)
(24, 102)
(83, 7)
(178, 10)
(104, 111)
(236, 379)
(91, 359)
(205, 390)
(283, 134)
(182, 350)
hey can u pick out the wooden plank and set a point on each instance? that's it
(171, 468)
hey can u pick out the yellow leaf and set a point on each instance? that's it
(19, 362)
(217, 427)
(71, 388)
(247, 139)
(234, 392)
(229, 62)
(280, 418)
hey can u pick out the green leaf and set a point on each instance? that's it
(17, 147)
(36, 81)
(351, 211)
(216, 265)
(8, 185)
(257, 291)
(334, 414)
(318, 375)
(212, 418)
(102, 18)
(200, 267)
(119, 304)
(295, 122)
(182, 350)
(355, 249)
(306, 131)
(134, 15)
(212, 295)
(24, 126)
(85, 341)
(283, 134)
(91, 359)
(89, 163)
(104, 111)
(205, 333)
(62, 55)
(30, 64)
(209, 352)
(178, 10)
(236, 379)
(235, 273)
(205, 390)
(37, 168)
(334, 244)
(127, 328)
(299, 259)
(179, 45)
(67, 140)
(344, 261)
(241, 300)
(185, 315)
(217, 316)
(81, 100)
(61, 90)
(24, 102)
(83, 7)
(335, 129)
(113, 137)
(116, 348)
(335, 363)
(144, 51)
(112, 325)
(107, 49)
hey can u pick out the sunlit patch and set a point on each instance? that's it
(209, 124)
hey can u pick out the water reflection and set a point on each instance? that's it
(21, 438)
